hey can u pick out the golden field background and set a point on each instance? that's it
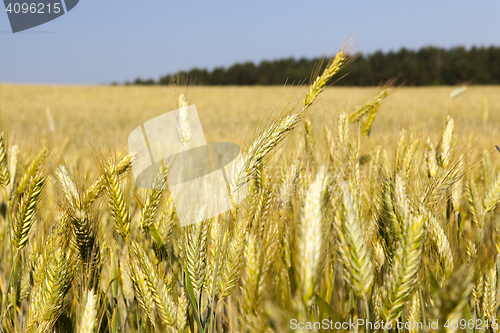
(97, 116)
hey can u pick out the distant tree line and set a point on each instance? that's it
(427, 66)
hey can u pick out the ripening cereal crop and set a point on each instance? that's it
(357, 211)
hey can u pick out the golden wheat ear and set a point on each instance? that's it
(311, 237)
(88, 318)
(280, 128)
(34, 168)
(117, 202)
(26, 212)
(153, 294)
(154, 197)
(53, 277)
(369, 107)
(354, 251)
(97, 189)
(4, 167)
(403, 278)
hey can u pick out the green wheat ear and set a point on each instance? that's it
(353, 249)
(403, 278)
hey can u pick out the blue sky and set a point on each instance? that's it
(112, 40)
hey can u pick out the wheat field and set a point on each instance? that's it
(375, 206)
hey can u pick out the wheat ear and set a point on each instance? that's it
(150, 287)
(68, 187)
(400, 151)
(14, 154)
(251, 281)
(25, 216)
(353, 249)
(33, 169)
(410, 157)
(438, 237)
(152, 204)
(403, 279)
(53, 277)
(196, 253)
(472, 199)
(4, 165)
(231, 270)
(446, 142)
(99, 186)
(183, 127)
(332, 68)
(490, 300)
(181, 312)
(389, 224)
(117, 203)
(430, 158)
(370, 106)
(89, 316)
(492, 195)
(413, 313)
(141, 289)
(246, 166)
(310, 244)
